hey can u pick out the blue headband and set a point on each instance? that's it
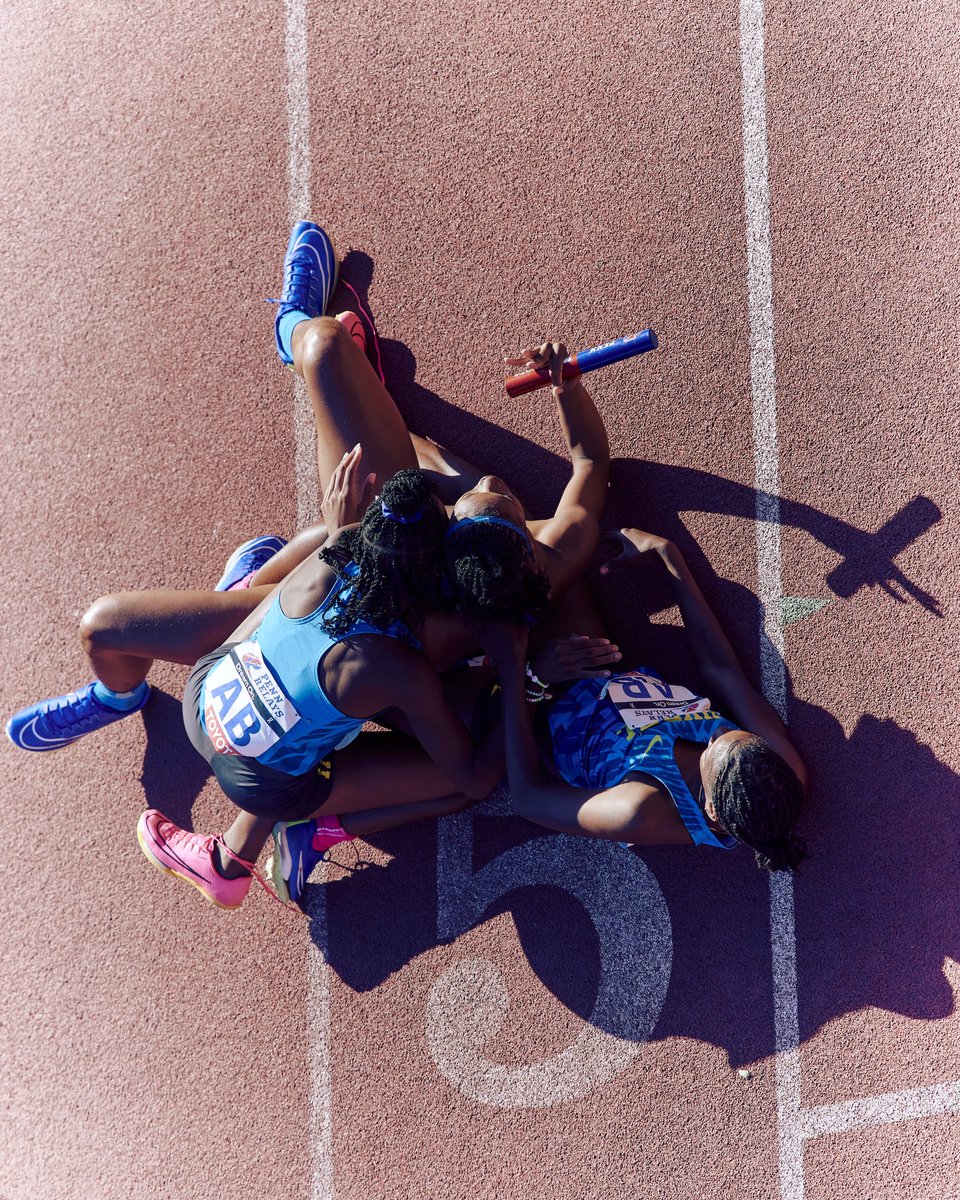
(401, 520)
(490, 521)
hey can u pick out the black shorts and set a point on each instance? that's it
(252, 786)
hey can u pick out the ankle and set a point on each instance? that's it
(225, 864)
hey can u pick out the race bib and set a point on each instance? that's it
(245, 712)
(644, 700)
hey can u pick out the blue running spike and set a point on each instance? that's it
(246, 558)
(53, 724)
(309, 277)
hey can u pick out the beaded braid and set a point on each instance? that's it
(400, 558)
(492, 574)
(757, 797)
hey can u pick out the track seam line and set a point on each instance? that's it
(298, 171)
(306, 483)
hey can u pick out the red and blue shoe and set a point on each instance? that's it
(53, 724)
(248, 558)
(298, 847)
(309, 277)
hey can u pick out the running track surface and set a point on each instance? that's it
(485, 1010)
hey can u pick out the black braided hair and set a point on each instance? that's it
(401, 564)
(493, 575)
(757, 797)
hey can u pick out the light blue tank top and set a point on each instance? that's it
(264, 699)
(596, 746)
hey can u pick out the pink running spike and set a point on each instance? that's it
(189, 856)
(373, 330)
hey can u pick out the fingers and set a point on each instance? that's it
(535, 358)
(589, 655)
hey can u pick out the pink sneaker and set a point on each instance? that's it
(189, 856)
(354, 327)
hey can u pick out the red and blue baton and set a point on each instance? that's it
(583, 361)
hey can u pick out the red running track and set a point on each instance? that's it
(498, 174)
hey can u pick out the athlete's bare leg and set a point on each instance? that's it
(380, 781)
(350, 404)
(122, 634)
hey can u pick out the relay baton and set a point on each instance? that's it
(585, 360)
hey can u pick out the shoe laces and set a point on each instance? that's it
(301, 275)
(216, 839)
(75, 713)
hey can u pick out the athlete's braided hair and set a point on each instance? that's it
(399, 551)
(493, 575)
(757, 797)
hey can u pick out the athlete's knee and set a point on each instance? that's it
(324, 340)
(100, 624)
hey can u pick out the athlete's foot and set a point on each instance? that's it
(309, 277)
(355, 327)
(298, 847)
(247, 559)
(53, 724)
(190, 856)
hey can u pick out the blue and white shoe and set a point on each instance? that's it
(297, 848)
(53, 724)
(246, 558)
(309, 277)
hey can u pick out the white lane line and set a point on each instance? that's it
(892, 1108)
(794, 1123)
(756, 190)
(318, 1042)
(308, 510)
(762, 361)
(786, 1034)
(298, 168)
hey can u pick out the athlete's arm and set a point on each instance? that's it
(407, 682)
(574, 529)
(631, 811)
(722, 672)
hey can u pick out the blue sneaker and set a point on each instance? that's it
(298, 847)
(309, 277)
(246, 558)
(53, 724)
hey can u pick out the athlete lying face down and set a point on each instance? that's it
(629, 757)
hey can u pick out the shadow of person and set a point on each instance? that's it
(173, 773)
(874, 920)
(877, 907)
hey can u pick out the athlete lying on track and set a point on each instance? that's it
(632, 758)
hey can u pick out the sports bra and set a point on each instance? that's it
(264, 699)
(604, 730)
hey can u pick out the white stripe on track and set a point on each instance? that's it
(756, 189)
(298, 166)
(318, 1042)
(794, 1123)
(308, 511)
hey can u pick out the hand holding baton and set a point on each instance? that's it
(583, 361)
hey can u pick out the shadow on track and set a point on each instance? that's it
(874, 918)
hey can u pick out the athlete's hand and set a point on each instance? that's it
(575, 657)
(628, 545)
(349, 493)
(505, 642)
(548, 356)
